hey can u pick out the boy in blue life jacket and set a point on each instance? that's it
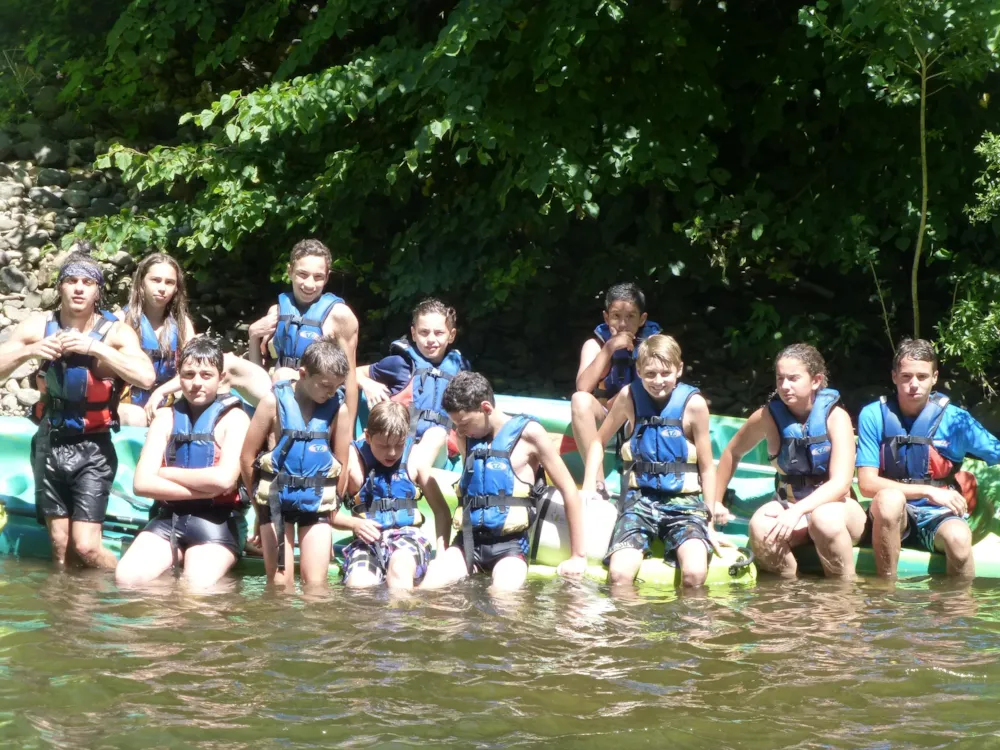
(416, 373)
(668, 480)
(607, 361)
(505, 459)
(190, 464)
(389, 544)
(910, 451)
(307, 424)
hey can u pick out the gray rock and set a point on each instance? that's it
(30, 131)
(32, 281)
(45, 198)
(45, 102)
(50, 298)
(102, 207)
(48, 153)
(76, 198)
(23, 150)
(122, 259)
(27, 396)
(24, 370)
(11, 190)
(9, 402)
(14, 239)
(12, 280)
(6, 334)
(17, 304)
(33, 255)
(82, 148)
(11, 386)
(100, 190)
(6, 145)
(38, 239)
(50, 176)
(68, 126)
(33, 299)
(17, 315)
(6, 224)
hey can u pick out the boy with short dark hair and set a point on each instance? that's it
(190, 464)
(607, 360)
(298, 477)
(505, 462)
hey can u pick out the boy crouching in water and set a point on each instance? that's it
(505, 458)
(189, 465)
(668, 468)
(298, 477)
(389, 545)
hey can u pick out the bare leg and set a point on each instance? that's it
(146, 559)
(446, 568)
(206, 564)
(132, 415)
(769, 556)
(587, 413)
(692, 559)
(269, 546)
(955, 540)
(834, 528)
(509, 574)
(315, 550)
(889, 517)
(59, 535)
(361, 579)
(623, 567)
(402, 569)
(86, 538)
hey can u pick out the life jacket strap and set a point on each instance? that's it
(948, 481)
(300, 483)
(58, 404)
(385, 504)
(658, 421)
(193, 437)
(912, 440)
(481, 502)
(663, 467)
(798, 481)
(304, 435)
(487, 453)
(292, 362)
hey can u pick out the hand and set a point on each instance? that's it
(949, 498)
(265, 327)
(721, 515)
(48, 348)
(255, 537)
(621, 340)
(717, 542)
(367, 530)
(573, 567)
(375, 392)
(155, 399)
(75, 342)
(442, 544)
(784, 524)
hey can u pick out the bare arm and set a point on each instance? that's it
(147, 481)
(343, 325)
(749, 435)
(249, 380)
(256, 438)
(538, 438)
(697, 415)
(871, 483)
(123, 354)
(214, 480)
(594, 363)
(342, 431)
(259, 330)
(621, 412)
(27, 342)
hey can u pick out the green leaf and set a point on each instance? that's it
(757, 232)
(232, 132)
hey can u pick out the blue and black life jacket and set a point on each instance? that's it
(425, 390)
(164, 362)
(623, 361)
(297, 329)
(192, 443)
(388, 496)
(804, 457)
(77, 401)
(905, 456)
(492, 501)
(658, 458)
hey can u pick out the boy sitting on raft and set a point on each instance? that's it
(416, 373)
(505, 461)
(811, 440)
(668, 480)
(189, 465)
(389, 545)
(607, 360)
(910, 449)
(297, 484)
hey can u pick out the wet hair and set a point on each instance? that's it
(625, 292)
(466, 392)
(662, 348)
(808, 355)
(177, 307)
(202, 349)
(306, 248)
(325, 357)
(920, 350)
(434, 306)
(389, 419)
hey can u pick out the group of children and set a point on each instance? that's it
(206, 458)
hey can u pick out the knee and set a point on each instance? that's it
(957, 540)
(88, 550)
(581, 403)
(402, 569)
(693, 578)
(126, 578)
(889, 506)
(825, 527)
(620, 574)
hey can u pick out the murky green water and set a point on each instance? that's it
(807, 664)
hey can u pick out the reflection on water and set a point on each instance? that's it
(802, 664)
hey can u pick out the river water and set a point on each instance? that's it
(802, 664)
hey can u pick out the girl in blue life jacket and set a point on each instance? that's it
(157, 311)
(668, 476)
(810, 441)
(415, 374)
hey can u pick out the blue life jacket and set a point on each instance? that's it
(425, 390)
(76, 400)
(164, 363)
(488, 488)
(659, 450)
(300, 474)
(297, 329)
(905, 456)
(623, 361)
(192, 443)
(388, 495)
(804, 457)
